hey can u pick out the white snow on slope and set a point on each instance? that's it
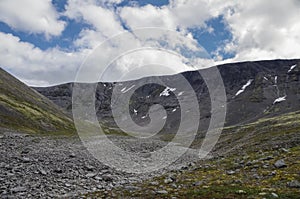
(292, 68)
(276, 79)
(166, 92)
(135, 111)
(244, 87)
(280, 99)
(179, 94)
(124, 90)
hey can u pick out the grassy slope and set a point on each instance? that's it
(23, 109)
(245, 150)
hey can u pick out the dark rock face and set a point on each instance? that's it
(254, 90)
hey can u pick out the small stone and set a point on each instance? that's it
(162, 192)
(18, 189)
(274, 195)
(256, 176)
(89, 167)
(230, 172)
(241, 192)
(263, 194)
(294, 184)
(267, 158)
(90, 175)
(273, 173)
(42, 171)
(131, 188)
(284, 150)
(107, 178)
(72, 155)
(26, 160)
(154, 183)
(68, 185)
(191, 164)
(280, 164)
(168, 180)
(58, 170)
(198, 183)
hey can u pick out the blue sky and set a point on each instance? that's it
(45, 42)
(210, 41)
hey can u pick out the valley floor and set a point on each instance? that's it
(257, 160)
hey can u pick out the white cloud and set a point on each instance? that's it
(148, 16)
(260, 30)
(33, 16)
(264, 29)
(33, 65)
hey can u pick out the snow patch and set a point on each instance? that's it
(292, 68)
(144, 117)
(244, 87)
(276, 79)
(280, 99)
(124, 90)
(174, 110)
(135, 111)
(181, 93)
(266, 78)
(167, 90)
(164, 118)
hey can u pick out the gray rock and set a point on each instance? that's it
(231, 172)
(294, 184)
(89, 167)
(280, 164)
(154, 183)
(26, 160)
(58, 170)
(198, 183)
(90, 175)
(72, 155)
(42, 171)
(168, 180)
(18, 189)
(107, 178)
(267, 158)
(284, 150)
(162, 192)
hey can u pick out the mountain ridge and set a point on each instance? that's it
(257, 100)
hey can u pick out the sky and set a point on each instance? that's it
(44, 42)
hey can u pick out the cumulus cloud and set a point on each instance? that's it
(259, 30)
(33, 16)
(264, 29)
(104, 21)
(35, 66)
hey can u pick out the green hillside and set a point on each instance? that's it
(23, 109)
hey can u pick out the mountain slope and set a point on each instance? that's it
(258, 160)
(24, 109)
(254, 90)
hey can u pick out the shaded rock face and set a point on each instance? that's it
(254, 90)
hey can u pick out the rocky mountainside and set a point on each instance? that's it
(24, 109)
(254, 90)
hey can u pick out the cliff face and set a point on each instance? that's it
(254, 90)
